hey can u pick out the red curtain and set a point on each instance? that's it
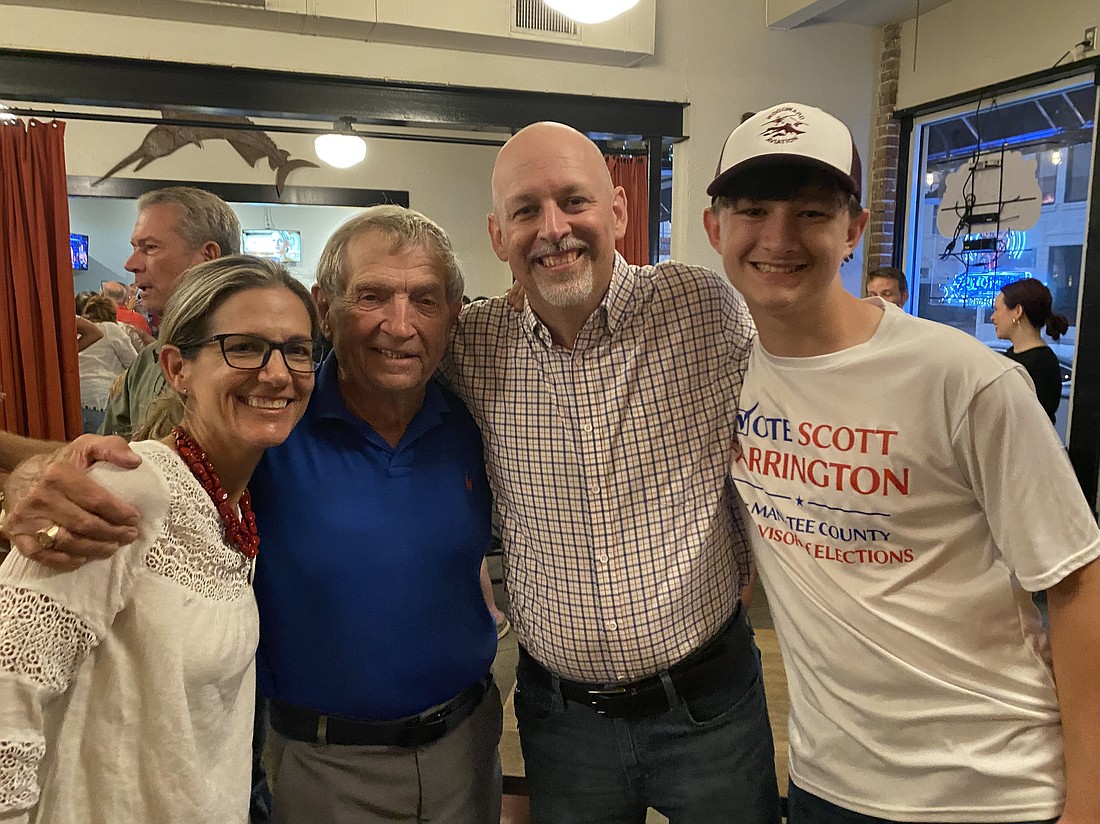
(632, 173)
(38, 363)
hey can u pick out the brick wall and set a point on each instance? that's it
(883, 166)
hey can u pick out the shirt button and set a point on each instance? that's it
(612, 625)
(594, 488)
(587, 427)
(601, 558)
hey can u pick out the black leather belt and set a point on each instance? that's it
(729, 654)
(301, 724)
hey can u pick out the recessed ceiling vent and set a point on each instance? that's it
(535, 17)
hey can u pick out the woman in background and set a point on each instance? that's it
(1020, 311)
(127, 685)
(82, 300)
(103, 360)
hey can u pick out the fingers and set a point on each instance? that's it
(75, 547)
(94, 523)
(87, 449)
(515, 296)
(27, 545)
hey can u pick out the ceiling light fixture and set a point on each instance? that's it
(591, 11)
(342, 148)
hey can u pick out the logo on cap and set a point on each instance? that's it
(784, 125)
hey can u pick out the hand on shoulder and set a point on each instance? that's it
(55, 490)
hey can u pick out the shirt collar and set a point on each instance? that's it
(327, 399)
(617, 301)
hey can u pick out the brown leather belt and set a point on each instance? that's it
(728, 654)
(300, 724)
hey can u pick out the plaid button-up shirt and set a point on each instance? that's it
(625, 543)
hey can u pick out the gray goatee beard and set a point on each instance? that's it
(568, 293)
(572, 292)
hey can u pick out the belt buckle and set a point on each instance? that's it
(425, 720)
(595, 696)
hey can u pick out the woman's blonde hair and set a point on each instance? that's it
(203, 289)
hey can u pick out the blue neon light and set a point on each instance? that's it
(977, 289)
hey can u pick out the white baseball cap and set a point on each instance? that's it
(790, 133)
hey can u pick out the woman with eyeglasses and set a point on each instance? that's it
(127, 686)
(1020, 312)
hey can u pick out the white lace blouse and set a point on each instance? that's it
(127, 686)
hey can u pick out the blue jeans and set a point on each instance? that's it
(705, 763)
(90, 419)
(807, 808)
(259, 803)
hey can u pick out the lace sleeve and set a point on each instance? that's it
(19, 772)
(40, 639)
(41, 646)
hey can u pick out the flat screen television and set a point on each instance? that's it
(78, 244)
(283, 245)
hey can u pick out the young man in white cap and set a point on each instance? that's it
(908, 491)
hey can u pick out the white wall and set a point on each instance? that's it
(718, 56)
(108, 222)
(967, 44)
(460, 206)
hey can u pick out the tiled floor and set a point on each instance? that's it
(775, 684)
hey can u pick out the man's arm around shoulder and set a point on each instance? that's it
(14, 449)
(55, 489)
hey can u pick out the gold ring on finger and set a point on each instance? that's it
(47, 536)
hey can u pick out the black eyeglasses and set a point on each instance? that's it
(253, 352)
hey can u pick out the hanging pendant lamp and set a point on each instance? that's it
(591, 11)
(341, 148)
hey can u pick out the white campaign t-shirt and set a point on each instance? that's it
(905, 493)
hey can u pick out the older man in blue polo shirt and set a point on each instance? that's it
(375, 641)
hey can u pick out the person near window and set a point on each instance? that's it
(1020, 312)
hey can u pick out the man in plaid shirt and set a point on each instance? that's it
(608, 410)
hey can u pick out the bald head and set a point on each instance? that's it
(113, 290)
(556, 217)
(548, 144)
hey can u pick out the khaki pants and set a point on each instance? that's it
(455, 780)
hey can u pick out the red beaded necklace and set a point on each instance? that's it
(241, 531)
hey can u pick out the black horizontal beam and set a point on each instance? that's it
(133, 187)
(199, 121)
(46, 77)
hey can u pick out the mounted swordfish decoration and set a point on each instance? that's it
(251, 144)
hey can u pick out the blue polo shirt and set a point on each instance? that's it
(367, 578)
